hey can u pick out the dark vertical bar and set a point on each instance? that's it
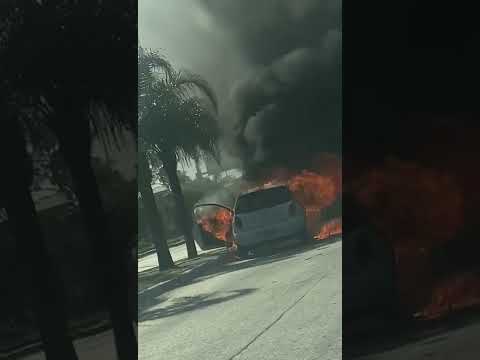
(410, 145)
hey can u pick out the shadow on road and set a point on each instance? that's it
(223, 264)
(190, 303)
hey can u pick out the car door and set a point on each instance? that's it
(212, 225)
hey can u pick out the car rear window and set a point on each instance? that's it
(262, 199)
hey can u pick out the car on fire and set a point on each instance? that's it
(212, 219)
(266, 216)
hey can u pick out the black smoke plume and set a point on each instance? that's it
(289, 107)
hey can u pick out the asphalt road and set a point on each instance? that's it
(282, 306)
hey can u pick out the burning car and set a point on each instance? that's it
(281, 205)
(266, 215)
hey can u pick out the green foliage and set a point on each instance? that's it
(176, 110)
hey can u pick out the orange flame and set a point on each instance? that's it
(315, 189)
(331, 228)
(217, 223)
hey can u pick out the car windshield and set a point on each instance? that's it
(262, 199)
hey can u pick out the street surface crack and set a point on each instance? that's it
(277, 319)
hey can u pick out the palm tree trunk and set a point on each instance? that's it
(47, 290)
(153, 216)
(170, 164)
(110, 259)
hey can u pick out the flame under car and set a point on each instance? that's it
(266, 216)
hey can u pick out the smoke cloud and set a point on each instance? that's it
(287, 108)
(291, 110)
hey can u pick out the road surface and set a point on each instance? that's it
(283, 306)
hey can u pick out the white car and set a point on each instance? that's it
(267, 216)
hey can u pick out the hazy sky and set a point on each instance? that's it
(190, 37)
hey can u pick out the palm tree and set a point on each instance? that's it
(151, 211)
(178, 123)
(149, 63)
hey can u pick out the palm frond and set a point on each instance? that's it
(150, 64)
(188, 81)
(175, 114)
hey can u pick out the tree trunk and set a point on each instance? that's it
(110, 259)
(47, 290)
(185, 217)
(154, 219)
